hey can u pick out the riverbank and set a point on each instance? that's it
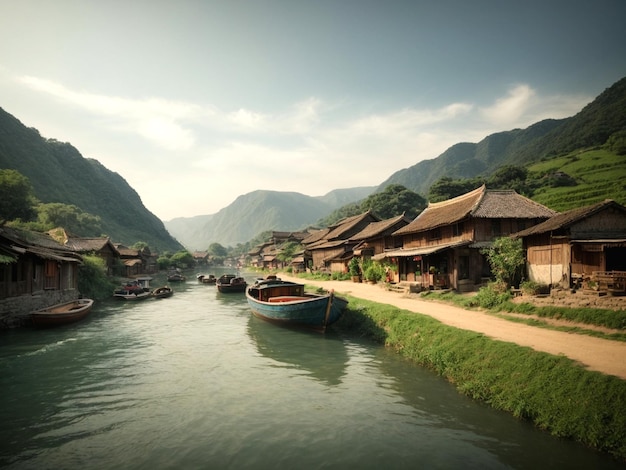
(568, 384)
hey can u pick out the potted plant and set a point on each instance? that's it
(355, 269)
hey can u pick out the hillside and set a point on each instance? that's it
(259, 211)
(59, 173)
(592, 126)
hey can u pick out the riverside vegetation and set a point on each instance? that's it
(586, 406)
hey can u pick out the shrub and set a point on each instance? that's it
(533, 288)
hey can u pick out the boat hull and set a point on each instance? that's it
(62, 314)
(162, 292)
(302, 310)
(132, 295)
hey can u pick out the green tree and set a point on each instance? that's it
(506, 258)
(182, 259)
(70, 217)
(446, 188)
(93, 281)
(394, 200)
(17, 200)
(218, 251)
(287, 251)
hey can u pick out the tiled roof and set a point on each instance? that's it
(480, 203)
(565, 219)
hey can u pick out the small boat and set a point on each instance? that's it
(176, 276)
(286, 303)
(162, 292)
(206, 278)
(137, 289)
(229, 283)
(61, 314)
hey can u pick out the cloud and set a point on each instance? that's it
(156, 120)
(523, 106)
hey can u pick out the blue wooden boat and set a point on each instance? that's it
(286, 303)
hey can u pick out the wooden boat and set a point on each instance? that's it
(162, 292)
(286, 303)
(61, 314)
(133, 290)
(230, 283)
(176, 277)
(206, 278)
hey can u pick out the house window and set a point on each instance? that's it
(457, 229)
(463, 267)
(496, 229)
(435, 234)
(51, 275)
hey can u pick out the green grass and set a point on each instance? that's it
(600, 175)
(553, 392)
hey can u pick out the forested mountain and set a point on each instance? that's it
(592, 126)
(59, 173)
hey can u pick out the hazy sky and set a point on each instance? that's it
(197, 102)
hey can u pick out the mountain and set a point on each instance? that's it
(259, 211)
(592, 126)
(59, 173)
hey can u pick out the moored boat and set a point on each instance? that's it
(286, 303)
(230, 283)
(133, 290)
(206, 278)
(176, 276)
(162, 292)
(61, 314)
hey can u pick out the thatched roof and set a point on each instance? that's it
(345, 225)
(480, 203)
(14, 242)
(378, 229)
(88, 244)
(568, 218)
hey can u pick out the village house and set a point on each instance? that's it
(35, 272)
(442, 247)
(201, 258)
(331, 249)
(136, 261)
(570, 247)
(98, 246)
(266, 255)
(378, 237)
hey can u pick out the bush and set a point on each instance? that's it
(533, 288)
(490, 297)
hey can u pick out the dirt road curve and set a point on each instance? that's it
(596, 354)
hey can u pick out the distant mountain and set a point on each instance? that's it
(592, 126)
(59, 173)
(259, 211)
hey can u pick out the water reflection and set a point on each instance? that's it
(321, 356)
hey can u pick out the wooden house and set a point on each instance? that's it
(98, 246)
(35, 271)
(378, 237)
(331, 249)
(441, 248)
(573, 245)
(201, 258)
(132, 261)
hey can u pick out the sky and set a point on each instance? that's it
(196, 102)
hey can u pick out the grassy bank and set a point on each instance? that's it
(551, 391)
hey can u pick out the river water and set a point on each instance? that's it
(195, 381)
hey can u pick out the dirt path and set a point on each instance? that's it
(597, 354)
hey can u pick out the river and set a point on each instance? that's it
(195, 381)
